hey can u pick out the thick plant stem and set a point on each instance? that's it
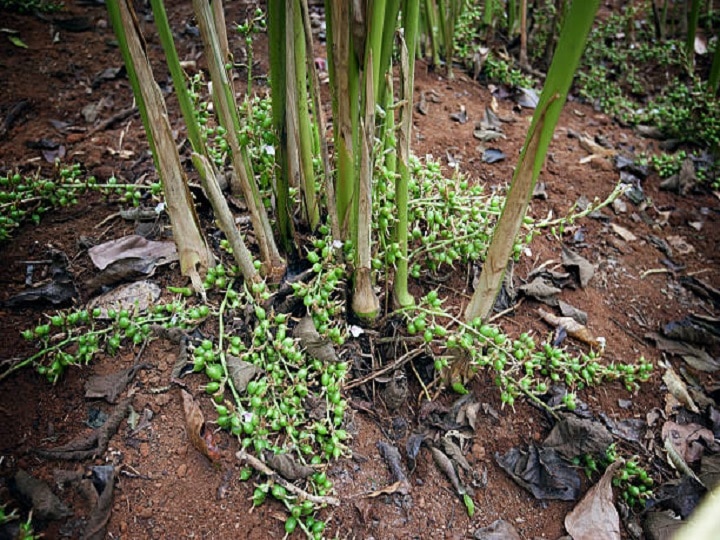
(572, 39)
(321, 125)
(365, 303)
(714, 77)
(345, 84)
(304, 129)
(195, 254)
(273, 264)
(523, 60)
(224, 217)
(178, 77)
(693, 18)
(410, 11)
(276, 22)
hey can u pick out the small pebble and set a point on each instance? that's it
(146, 513)
(181, 471)
(144, 449)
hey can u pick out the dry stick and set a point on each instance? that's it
(259, 466)
(122, 115)
(411, 355)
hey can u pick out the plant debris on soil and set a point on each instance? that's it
(138, 442)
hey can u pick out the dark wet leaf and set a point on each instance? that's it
(629, 429)
(542, 472)
(393, 460)
(92, 445)
(571, 311)
(681, 496)
(573, 436)
(527, 98)
(96, 418)
(130, 269)
(412, 448)
(542, 290)
(595, 516)
(287, 466)
(200, 437)
(694, 356)
(52, 155)
(693, 330)
(315, 345)
(460, 116)
(702, 289)
(445, 464)
(241, 372)
(109, 387)
(624, 163)
(490, 120)
(584, 269)
(661, 526)
(103, 478)
(493, 155)
(396, 390)
(497, 530)
(710, 471)
(58, 291)
(132, 247)
(45, 504)
(108, 74)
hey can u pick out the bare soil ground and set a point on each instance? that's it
(168, 490)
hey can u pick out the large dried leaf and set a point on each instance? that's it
(595, 516)
(132, 247)
(45, 504)
(694, 356)
(541, 290)
(200, 437)
(689, 440)
(585, 270)
(59, 290)
(392, 458)
(103, 478)
(286, 465)
(661, 526)
(573, 436)
(542, 472)
(315, 345)
(109, 387)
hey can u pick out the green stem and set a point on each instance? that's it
(278, 59)
(178, 77)
(304, 129)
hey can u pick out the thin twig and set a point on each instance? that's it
(422, 384)
(259, 466)
(652, 271)
(390, 367)
(506, 311)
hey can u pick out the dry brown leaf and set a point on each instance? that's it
(200, 437)
(678, 389)
(687, 439)
(573, 328)
(595, 516)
